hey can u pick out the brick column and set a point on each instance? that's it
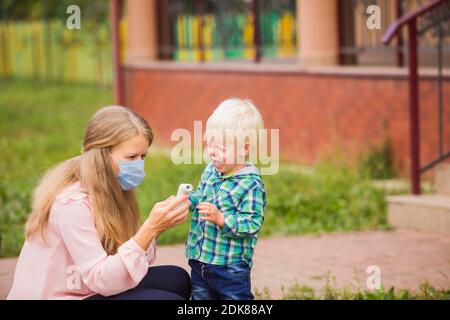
(317, 27)
(141, 40)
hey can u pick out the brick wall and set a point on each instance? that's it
(317, 114)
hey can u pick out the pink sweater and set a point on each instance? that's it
(73, 263)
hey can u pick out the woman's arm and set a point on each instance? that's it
(111, 274)
(102, 273)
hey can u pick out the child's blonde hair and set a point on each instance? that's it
(236, 115)
(115, 211)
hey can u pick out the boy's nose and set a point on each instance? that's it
(214, 157)
(212, 153)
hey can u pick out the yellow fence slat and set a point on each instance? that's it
(47, 50)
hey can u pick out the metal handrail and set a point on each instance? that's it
(395, 27)
(410, 19)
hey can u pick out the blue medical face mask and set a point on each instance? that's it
(131, 174)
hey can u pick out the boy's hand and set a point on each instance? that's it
(210, 213)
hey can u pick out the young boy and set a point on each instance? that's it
(227, 207)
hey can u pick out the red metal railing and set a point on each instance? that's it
(410, 20)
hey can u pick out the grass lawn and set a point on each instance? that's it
(425, 291)
(42, 124)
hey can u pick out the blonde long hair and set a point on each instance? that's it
(115, 211)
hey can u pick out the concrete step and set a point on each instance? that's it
(442, 179)
(424, 212)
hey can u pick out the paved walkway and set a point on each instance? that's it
(406, 259)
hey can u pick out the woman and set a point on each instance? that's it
(83, 238)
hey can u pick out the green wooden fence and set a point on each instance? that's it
(47, 50)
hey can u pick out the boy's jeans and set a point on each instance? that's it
(215, 282)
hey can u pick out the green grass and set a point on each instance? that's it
(41, 125)
(425, 291)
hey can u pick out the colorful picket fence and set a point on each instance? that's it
(234, 38)
(47, 50)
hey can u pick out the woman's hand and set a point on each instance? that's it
(168, 214)
(164, 215)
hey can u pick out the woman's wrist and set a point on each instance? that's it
(151, 229)
(145, 235)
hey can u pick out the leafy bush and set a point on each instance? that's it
(378, 162)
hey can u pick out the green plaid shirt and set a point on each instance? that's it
(241, 197)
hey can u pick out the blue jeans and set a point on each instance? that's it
(217, 282)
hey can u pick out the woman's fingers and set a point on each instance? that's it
(168, 213)
(181, 218)
(165, 202)
(182, 208)
(176, 202)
